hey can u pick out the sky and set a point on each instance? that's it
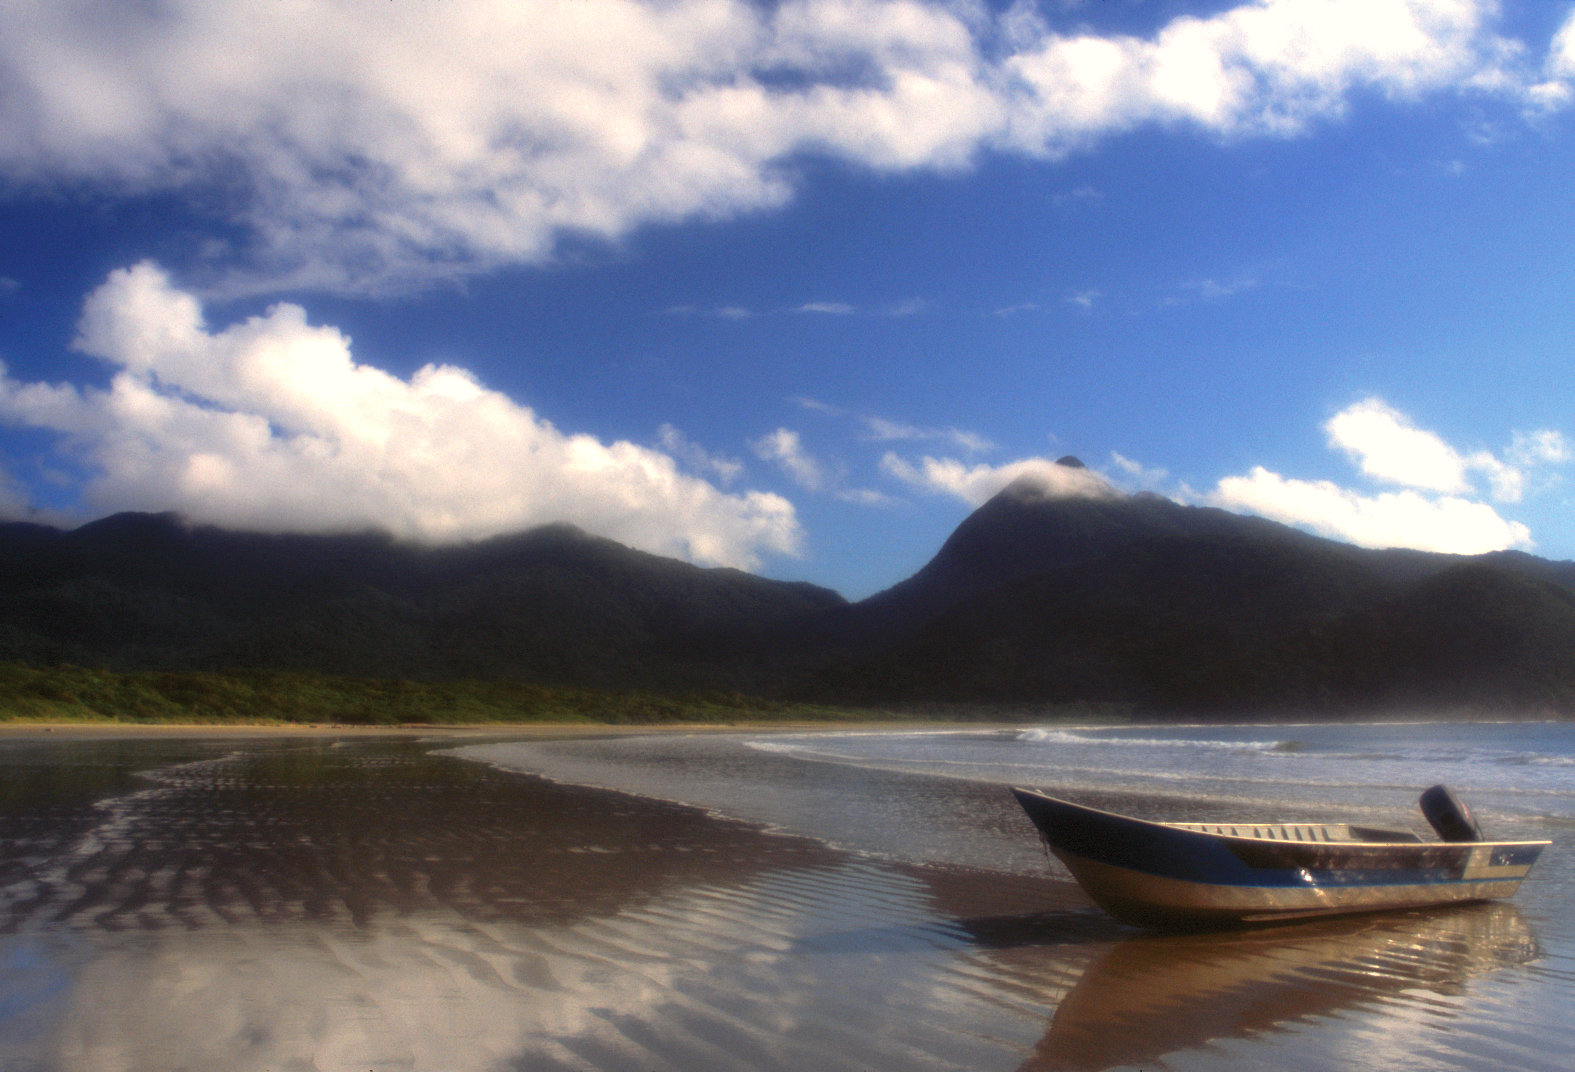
(789, 287)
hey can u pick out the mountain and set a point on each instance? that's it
(1039, 597)
(553, 605)
(1140, 601)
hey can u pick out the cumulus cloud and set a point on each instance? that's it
(977, 484)
(1561, 53)
(1391, 519)
(272, 424)
(1267, 67)
(378, 145)
(1389, 448)
(1439, 506)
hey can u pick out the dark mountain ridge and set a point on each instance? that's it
(1036, 598)
(553, 605)
(1141, 601)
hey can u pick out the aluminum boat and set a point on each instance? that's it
(1188, 874)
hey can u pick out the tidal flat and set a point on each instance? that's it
(824, 901)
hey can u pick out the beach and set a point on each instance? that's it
(679, 901)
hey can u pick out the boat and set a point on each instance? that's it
(1172, 874)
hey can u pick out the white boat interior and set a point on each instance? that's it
(1309, 832)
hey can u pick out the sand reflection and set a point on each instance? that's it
(752, 974)
(377, 908)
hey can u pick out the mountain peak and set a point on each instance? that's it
(1067, 478)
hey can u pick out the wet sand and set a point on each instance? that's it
(326, 902)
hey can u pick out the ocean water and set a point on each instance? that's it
(1514, 772)
(939, 797)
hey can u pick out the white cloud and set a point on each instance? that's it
(1392, 519)
(826, 308)
(1390, 449)
(1140, 474)
(271, 424)
(976, 484)
(1438, 508)
(784, 449)
(1561, 53)
(721, 312)
(1387, 447)
(1020, 307)
(1506, 483)
(866, 497)
(1545, 447)
(1082, 195)
(881, 430)
(697, 458)
(375, 145)
(1220, 289)
(815, 405)
(906, 307)
(1268, 67)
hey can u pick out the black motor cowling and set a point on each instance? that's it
(1451, 818)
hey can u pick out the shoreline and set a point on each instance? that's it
(544, 728)
(20, 728)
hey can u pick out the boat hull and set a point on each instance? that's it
(1163, 874)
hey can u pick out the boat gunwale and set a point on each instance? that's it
(1189, 828)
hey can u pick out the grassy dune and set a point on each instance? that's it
(252, 697)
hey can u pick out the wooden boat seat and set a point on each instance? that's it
(1306, 832)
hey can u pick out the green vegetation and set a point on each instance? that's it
(264, 697)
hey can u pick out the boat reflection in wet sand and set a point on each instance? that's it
(1213, 874)
(1156, 994)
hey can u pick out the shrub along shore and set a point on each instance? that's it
(74, 694)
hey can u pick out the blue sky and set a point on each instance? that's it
(791, 287)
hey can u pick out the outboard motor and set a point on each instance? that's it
(1449, 816)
